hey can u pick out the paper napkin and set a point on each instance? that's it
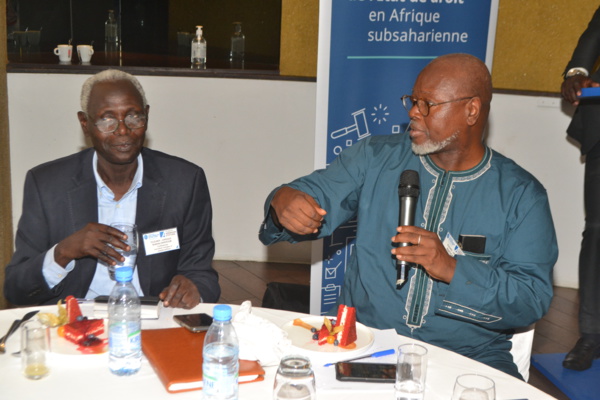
(259, 339)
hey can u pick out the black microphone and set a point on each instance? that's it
(408, 193)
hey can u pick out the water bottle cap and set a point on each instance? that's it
(124, 274)
(222, 312)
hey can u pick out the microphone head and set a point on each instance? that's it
(409, 183)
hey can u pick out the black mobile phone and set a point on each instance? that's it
(365, 372)
(194, 322)
(144, 300)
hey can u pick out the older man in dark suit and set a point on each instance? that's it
(64, 241)
(585, 128)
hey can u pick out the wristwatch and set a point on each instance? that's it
(576, 71)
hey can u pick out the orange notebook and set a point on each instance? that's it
(176, 356)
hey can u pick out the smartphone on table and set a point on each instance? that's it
(365, 372)
(194, 322)
(144, 300)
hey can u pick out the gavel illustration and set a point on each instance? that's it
(360, 126)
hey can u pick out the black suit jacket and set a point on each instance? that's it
(585, 125)
(60, 198)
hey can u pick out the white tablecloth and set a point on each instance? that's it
(88, 377)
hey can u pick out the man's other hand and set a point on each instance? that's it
(571, 87)
(297, 212)
(181, 293)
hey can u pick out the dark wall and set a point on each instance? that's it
(151, 26)
(261, 24)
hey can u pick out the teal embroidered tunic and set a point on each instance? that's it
(508, 286)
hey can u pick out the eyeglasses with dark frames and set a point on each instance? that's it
(423, 105)
(111, 124)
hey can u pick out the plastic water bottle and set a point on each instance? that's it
(198, 56)
(220, 367)
(124, 325)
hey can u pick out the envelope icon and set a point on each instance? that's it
(331, 272)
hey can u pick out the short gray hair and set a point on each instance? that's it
(109, 75)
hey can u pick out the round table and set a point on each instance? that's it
(88, 377)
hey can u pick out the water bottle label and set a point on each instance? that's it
(135, 340)
(217, 382)
(124, 338)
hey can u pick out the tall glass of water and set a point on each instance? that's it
(295, 379)
(132, 240)
(474, 387)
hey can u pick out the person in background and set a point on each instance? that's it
(467, 300)
(64, 242)
(585, 128)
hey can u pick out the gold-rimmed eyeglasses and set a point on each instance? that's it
(423, 105)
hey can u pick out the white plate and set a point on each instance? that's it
(302, 337)
(60, 345)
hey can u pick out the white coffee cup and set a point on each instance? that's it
(85, 52)
(64, 52)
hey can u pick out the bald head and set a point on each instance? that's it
(467, 74)
(452, 96)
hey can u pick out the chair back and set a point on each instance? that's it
(522, 342)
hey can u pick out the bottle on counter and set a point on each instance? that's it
(220, 367)
(198, 57)
(111, 32)
(238, 44)
(124, 325)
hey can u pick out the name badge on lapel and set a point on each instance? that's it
(161, 241)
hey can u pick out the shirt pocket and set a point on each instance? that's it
(484, 258)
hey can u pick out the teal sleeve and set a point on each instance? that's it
(336, 189)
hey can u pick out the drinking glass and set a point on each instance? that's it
(411, 372)
(474, 387)
(35, 341)
(132, 240)
(20, 38)
(295, 379)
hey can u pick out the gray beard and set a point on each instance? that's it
(431, 147)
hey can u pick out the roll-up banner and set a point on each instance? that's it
(370, 53)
